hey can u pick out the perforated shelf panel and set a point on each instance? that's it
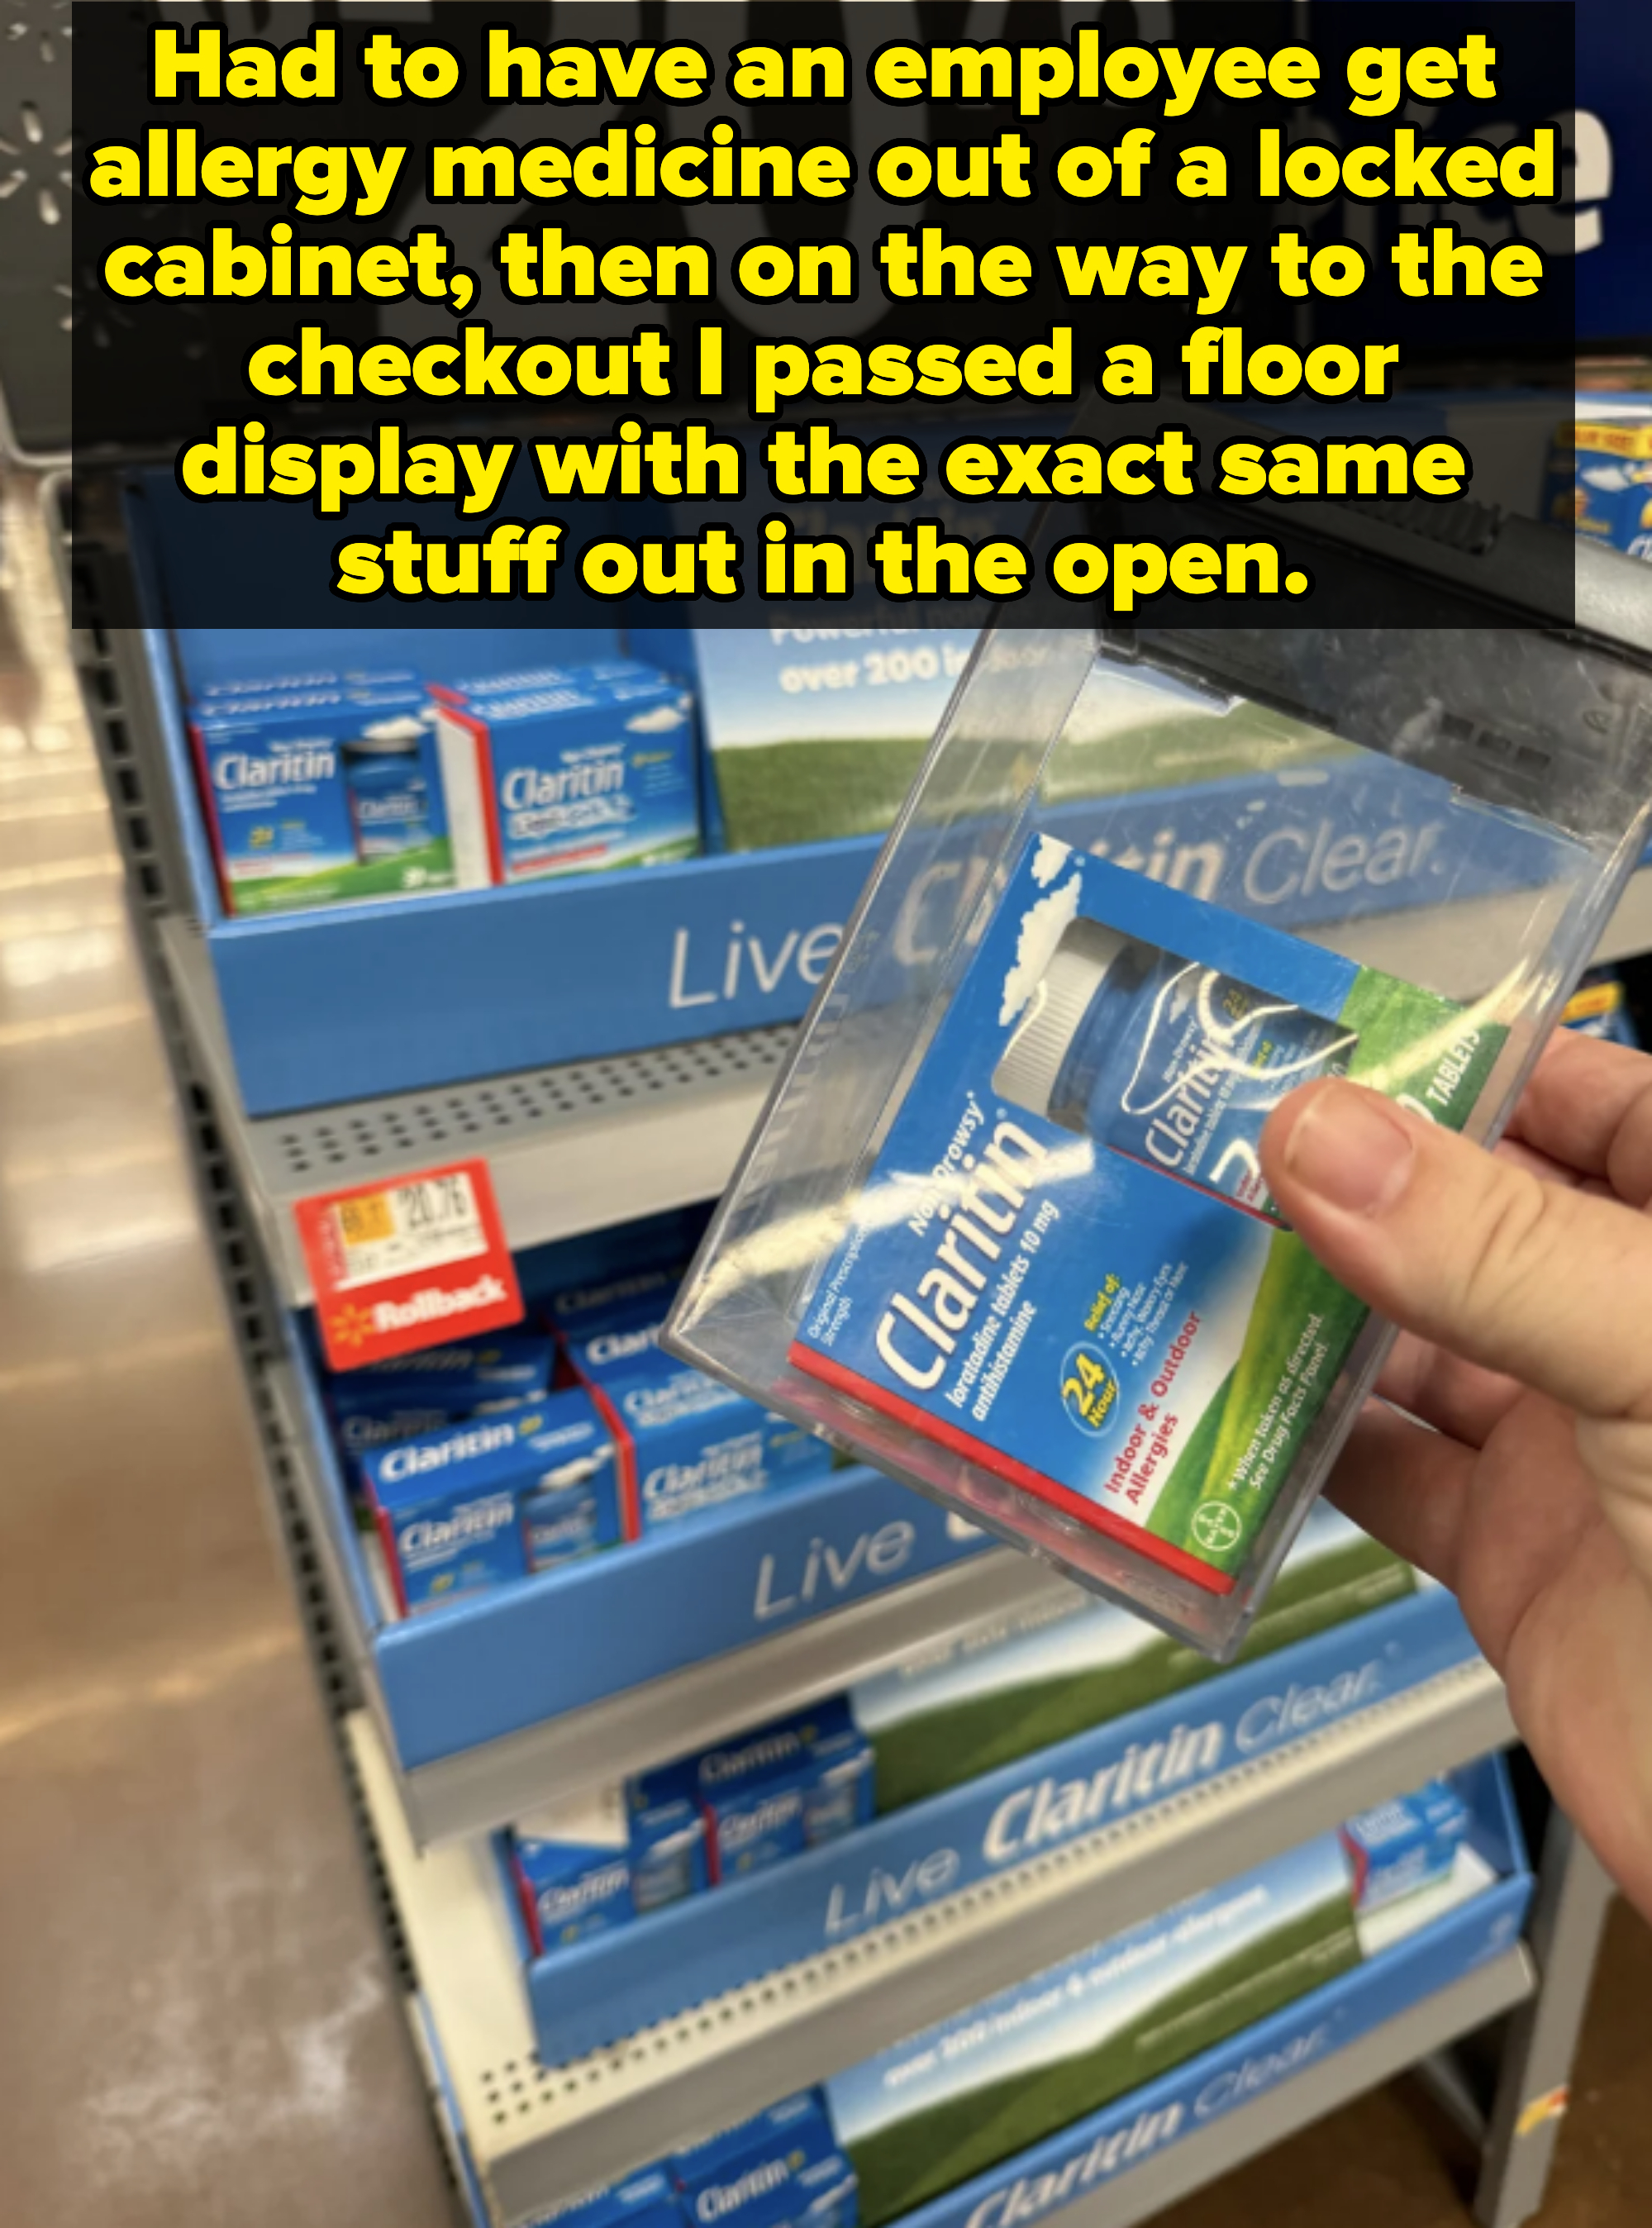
(571, 1149)
(1418, 2034)
(540, 2134)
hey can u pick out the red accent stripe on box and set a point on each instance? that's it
(482, 740)
(631, 1507)
(528, 1903)
(387, 1541)
(1134, 1536)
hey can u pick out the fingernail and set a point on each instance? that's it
(1351, 1147)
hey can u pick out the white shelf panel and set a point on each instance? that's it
(577, 1148)
(539, 2135)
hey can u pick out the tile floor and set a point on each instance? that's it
(197, 2028)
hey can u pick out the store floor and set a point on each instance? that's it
(197, 2027)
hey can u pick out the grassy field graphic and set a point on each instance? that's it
(905, 2164)
(803, 790)
(431, 863)
(924, 1755)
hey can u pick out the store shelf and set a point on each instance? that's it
(577, 1148)
(571, 1149)
(1156, 2183)
(1433, 2025)
(487, 1785)
(539, 2135)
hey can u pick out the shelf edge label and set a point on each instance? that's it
(414, 1262)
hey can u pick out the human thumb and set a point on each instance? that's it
(1551, 1285)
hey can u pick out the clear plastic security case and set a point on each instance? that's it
(1456, 809)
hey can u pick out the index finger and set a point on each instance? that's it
(1589, 1106)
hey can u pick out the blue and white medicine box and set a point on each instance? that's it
(571, 1867)
(783, 1788)
(1405, 1845)
(569, 1497)
(762, 2170)
(609, 1327)
(594, 770)
(388, 1402)
(460, 1376)
(668, 1848)
(616, 1347)
(642, 2200)
(479, 1504)
(587, 1307)
(1600, 475)
(688, 1444)
(320, 796)
(217, 693)
(587, 1867)
(365, 1432)
(445, 1506)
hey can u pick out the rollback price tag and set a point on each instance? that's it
(410, 1264)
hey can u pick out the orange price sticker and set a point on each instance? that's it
(412, 1263)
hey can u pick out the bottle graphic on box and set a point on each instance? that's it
(1165, 1059)
(388, 791)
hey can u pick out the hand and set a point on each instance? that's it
(1522, 1281)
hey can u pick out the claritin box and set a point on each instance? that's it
(478, 1506)
(406, 1398)
(781, 2170)
(462, 1376)
(576, 772)
(786, 1787)
(688, 1444)
(318, 797)
(1405, 1846)
(1065, 1265)
(585, 1867)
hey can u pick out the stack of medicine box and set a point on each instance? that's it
(782, 2169)
(386, 1402)
(584, 1867)
(480, 1504)
(321, 789)
(554, 770)
(627, 1443)
(688, 1443)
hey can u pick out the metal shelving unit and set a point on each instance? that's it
(572, 1149)
(539, 2135)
